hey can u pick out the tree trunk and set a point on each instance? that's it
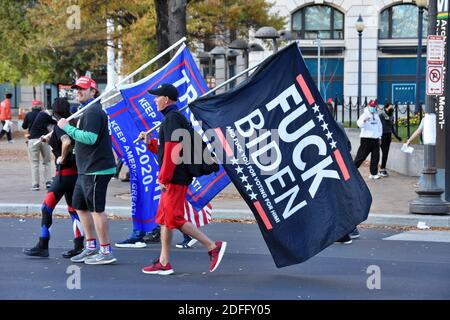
(162, 29)
(177, 20)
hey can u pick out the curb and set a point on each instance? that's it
(381, 219)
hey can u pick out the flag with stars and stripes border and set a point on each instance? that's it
(287, 157)
(199, 218)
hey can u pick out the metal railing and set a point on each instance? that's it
(347, 110)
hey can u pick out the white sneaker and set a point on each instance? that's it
(100, 258)
(84, 255)
(374, 177)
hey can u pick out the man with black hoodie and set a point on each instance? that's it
(174, 179)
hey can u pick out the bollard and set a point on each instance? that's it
(396, 116)
(350, 112)
(408, 107)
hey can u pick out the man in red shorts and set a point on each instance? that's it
(174, 179)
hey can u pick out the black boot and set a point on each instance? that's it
(153, 237)
(39, 250)
(78, 247)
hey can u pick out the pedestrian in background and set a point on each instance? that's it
(387, 121)
(36, 107)
(371, 132)
(42, 125)
(5, 118)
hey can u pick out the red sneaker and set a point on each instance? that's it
(158, 268)
(216, 254)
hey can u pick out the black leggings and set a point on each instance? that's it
(385, 144)
(372, 146)
(61, 186)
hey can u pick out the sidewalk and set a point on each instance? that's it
(390, 206)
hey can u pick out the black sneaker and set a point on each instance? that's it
(187, 242)
(345, 239)
(153, 237)
(354, 234)
(383, 173)
(38, 250)
(35, 187)
(78, 248)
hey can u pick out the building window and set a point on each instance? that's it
(397, 80)
(401, 21)
(318, 20)
(331, 75)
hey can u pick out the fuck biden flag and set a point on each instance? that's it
(287, 158)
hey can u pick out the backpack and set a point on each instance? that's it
(202, 161)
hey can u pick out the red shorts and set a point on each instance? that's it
(171, 207)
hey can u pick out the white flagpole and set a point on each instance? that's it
(79, 112)
(210, 91)
(110, 98)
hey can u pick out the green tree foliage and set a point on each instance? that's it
(70, 36)
(41, 42)
(222, 21)
(15, 60)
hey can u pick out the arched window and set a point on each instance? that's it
(401, 21)
(322, 20)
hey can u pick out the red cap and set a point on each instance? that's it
(36, 103)
(330, 100)
(85, 83)
(372, 103)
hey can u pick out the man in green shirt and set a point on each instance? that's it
(96, 166)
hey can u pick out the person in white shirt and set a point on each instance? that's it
(371, 132)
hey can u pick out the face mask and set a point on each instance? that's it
(372, 109)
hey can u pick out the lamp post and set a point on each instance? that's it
(359, 25)
(231, 53)
(205, 61)
(318, 60)
(286, 35)
(268, 33)
(220, 51)
(429, 194)
(240, 44)
(255, 47)
(421, 4)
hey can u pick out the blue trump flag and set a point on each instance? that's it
(287, 157)
(144, 190)
(182, 72)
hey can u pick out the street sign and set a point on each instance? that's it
(403, 93)
(435, 80)
(435, 50)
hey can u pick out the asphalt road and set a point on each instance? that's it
(407, 269)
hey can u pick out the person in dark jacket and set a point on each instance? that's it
(174, 179)
(387, 121)
(36, 107)
(40, 126)
(63, 184)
